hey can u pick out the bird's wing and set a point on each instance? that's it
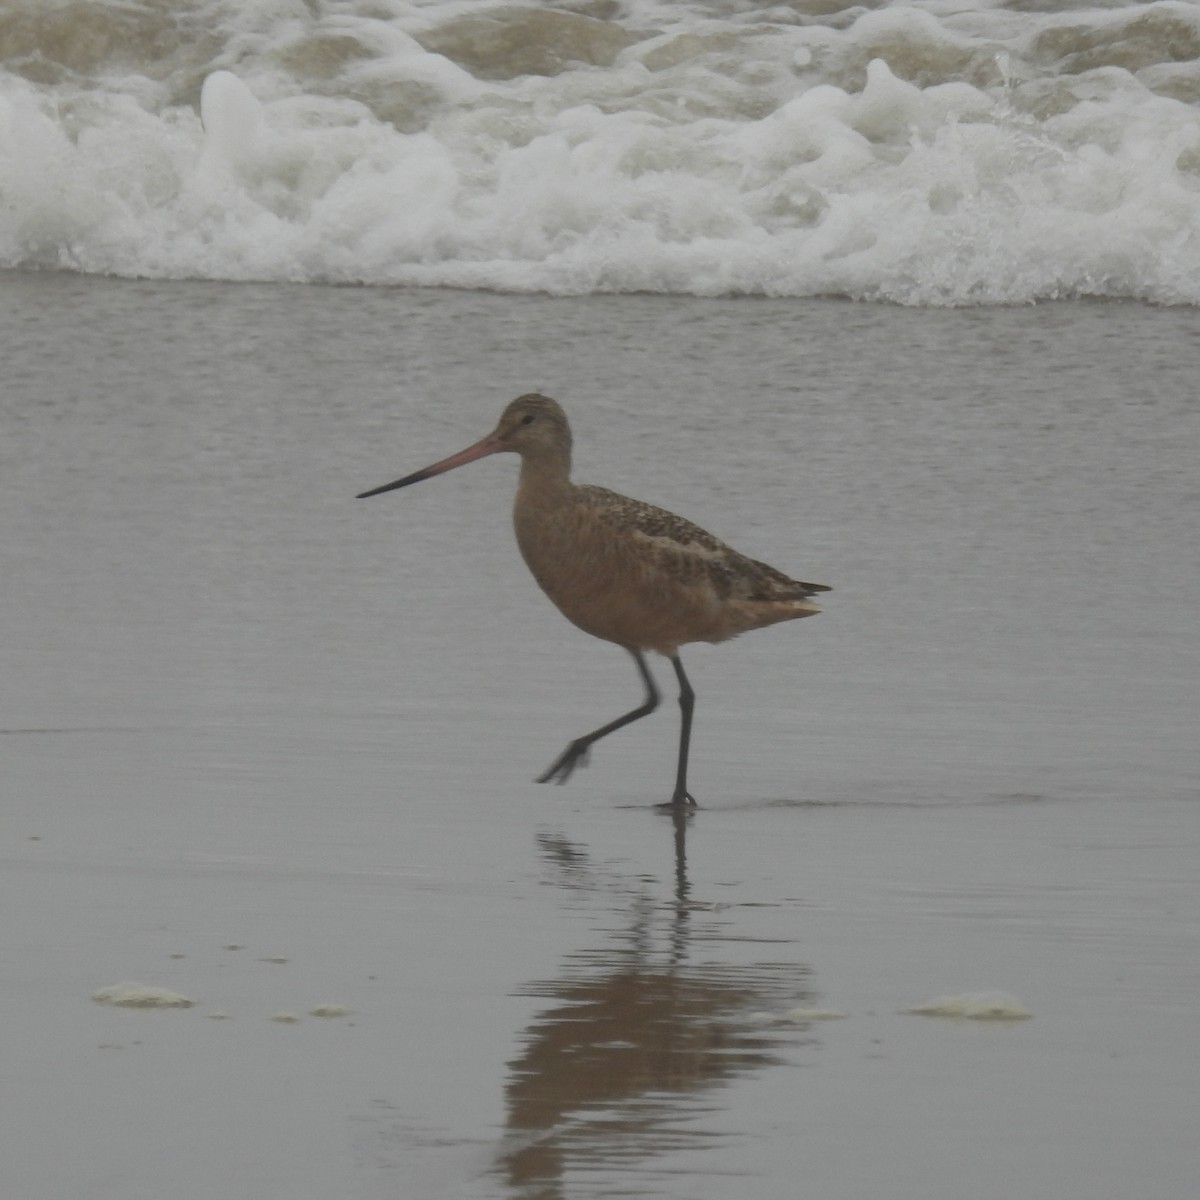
(732, 573)
(636, 518)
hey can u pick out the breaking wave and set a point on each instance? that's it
(921, 153)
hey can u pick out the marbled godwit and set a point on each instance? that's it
(622, 570)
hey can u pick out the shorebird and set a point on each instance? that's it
(624, 571)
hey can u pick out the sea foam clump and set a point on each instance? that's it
(139, 995)
(978, 155)
(796, 1016)
(975, 1006)
(329, 1011)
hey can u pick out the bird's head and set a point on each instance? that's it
(532, 426)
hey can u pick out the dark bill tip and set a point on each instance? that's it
(416, 477)
(489, 445)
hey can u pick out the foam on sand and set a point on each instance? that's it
(814, 1014)
(796, 1016)
(139, 995)
(974, 1006)
(329, 1010)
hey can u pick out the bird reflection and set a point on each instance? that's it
(637, 1035)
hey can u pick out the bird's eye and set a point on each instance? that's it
(527, 419)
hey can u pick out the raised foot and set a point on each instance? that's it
(575, 755)
(678, 801)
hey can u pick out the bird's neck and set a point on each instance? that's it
(545, 477)
(543, 512)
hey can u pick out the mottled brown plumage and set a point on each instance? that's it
(622, 570)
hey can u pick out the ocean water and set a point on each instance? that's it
(924, 153)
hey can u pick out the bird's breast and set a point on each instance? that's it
(610, 581)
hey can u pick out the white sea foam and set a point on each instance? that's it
(975, 1006)
(329, 1010)
(796, 1016)
(139, 995)
(920, 153)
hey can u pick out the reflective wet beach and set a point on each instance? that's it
(242, 710)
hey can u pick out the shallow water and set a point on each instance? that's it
(242, 709)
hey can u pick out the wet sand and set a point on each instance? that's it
(271, 748)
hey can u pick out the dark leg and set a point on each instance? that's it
(575, 755)
(687, 702)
